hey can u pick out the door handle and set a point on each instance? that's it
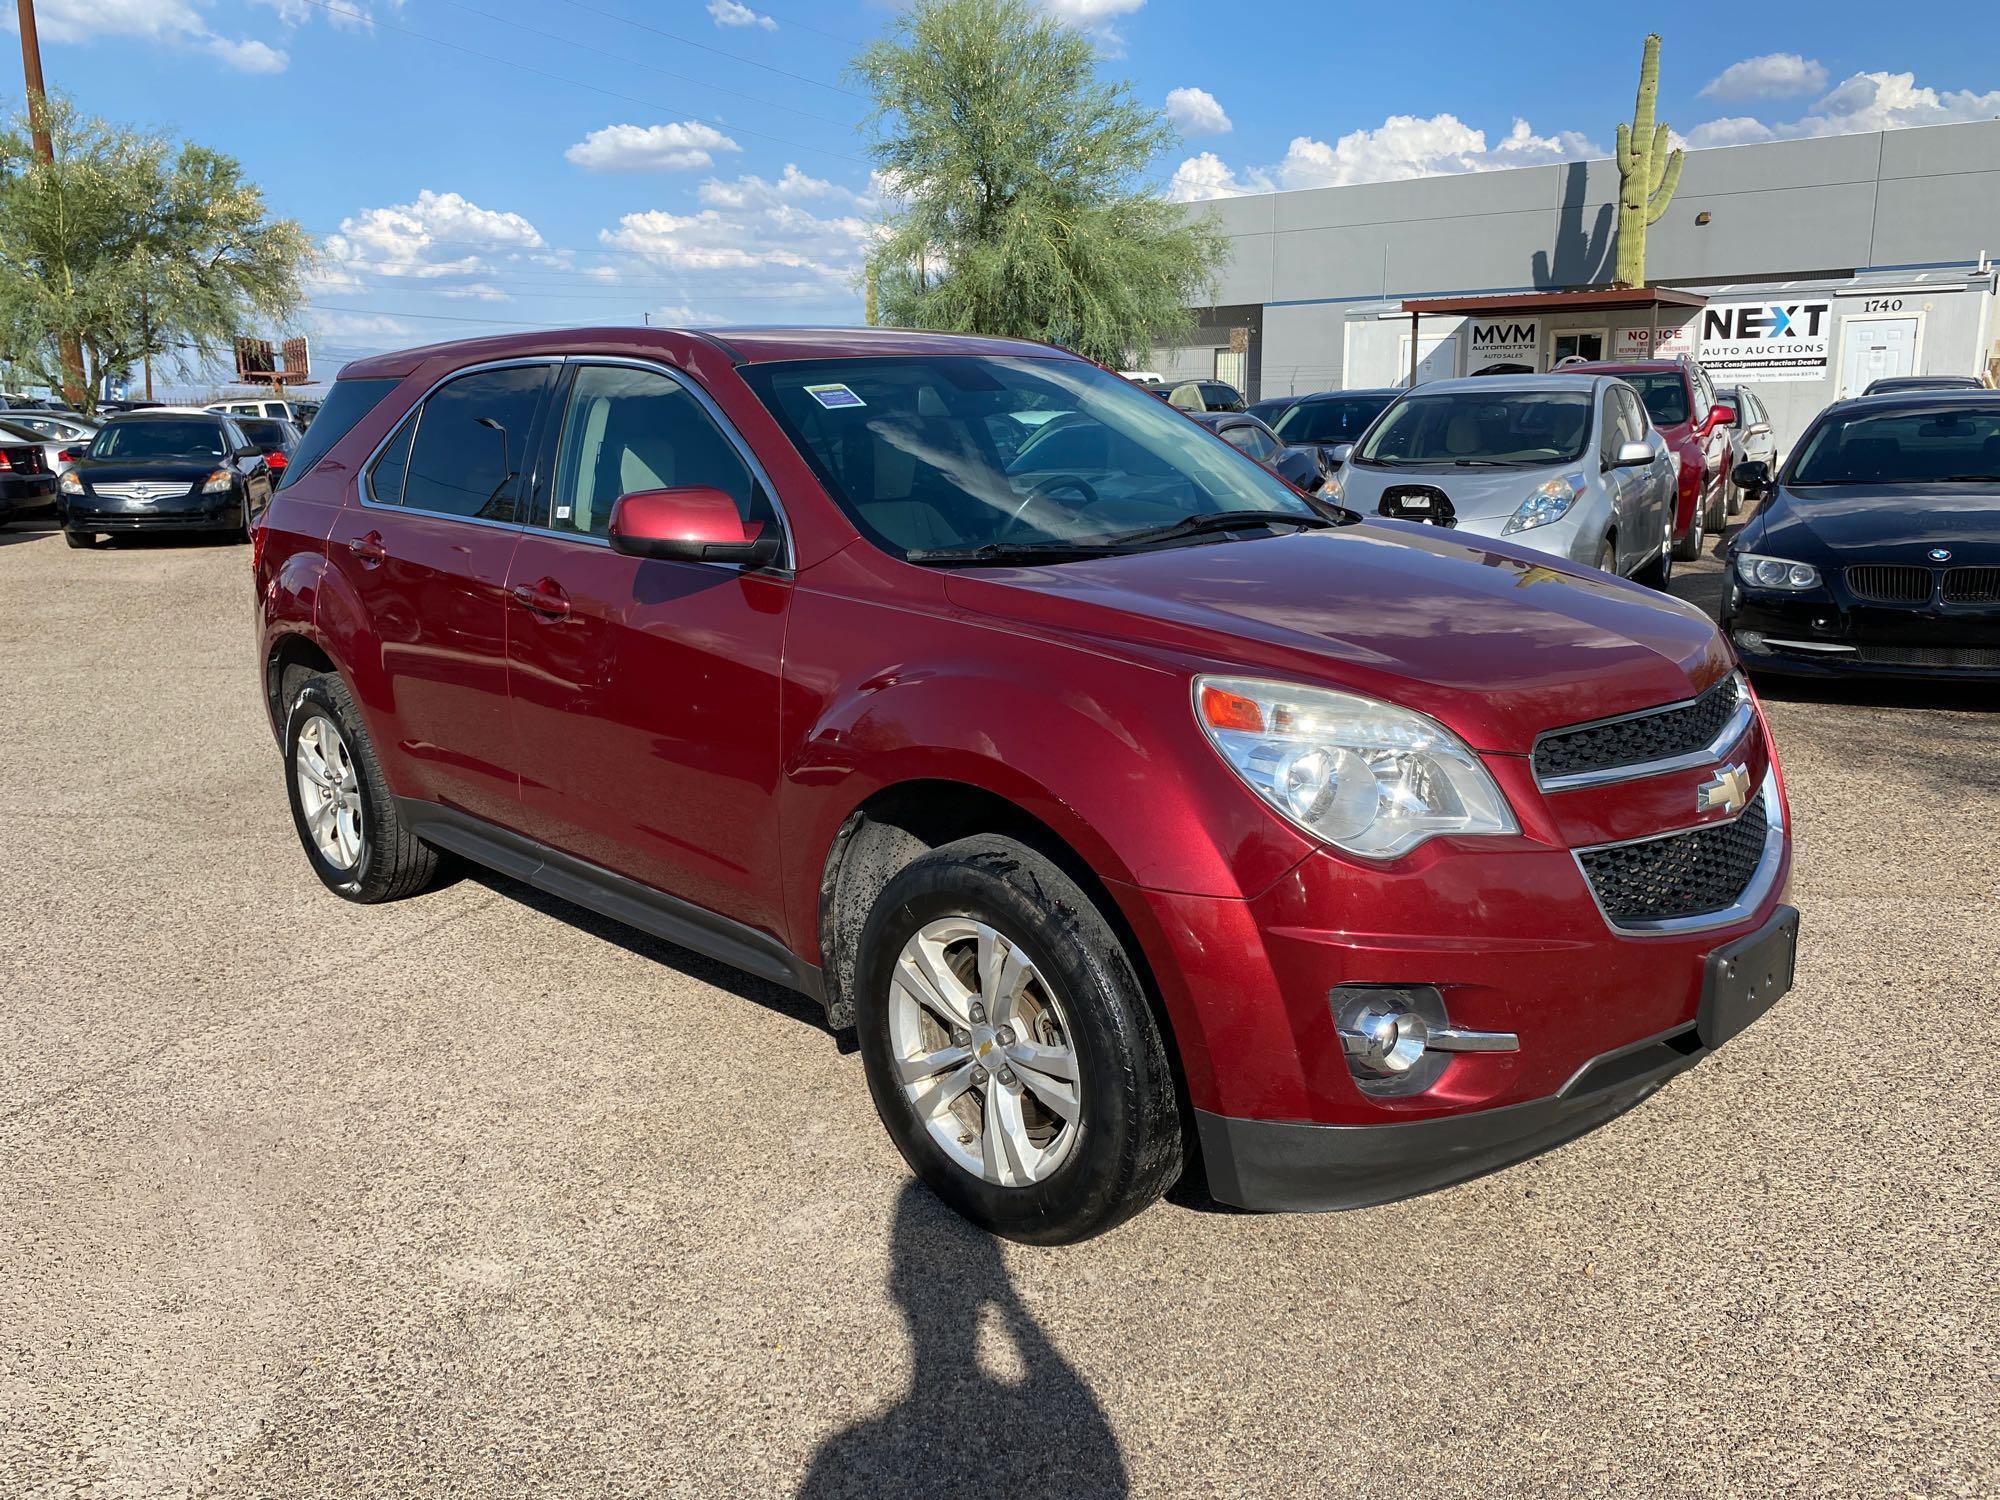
(369, 549)
(543, 598)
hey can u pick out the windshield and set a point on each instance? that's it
(1938, 445)
(1665, 395)
(152, 438)
(969, 451)
(1329, 422)
(1515, 428)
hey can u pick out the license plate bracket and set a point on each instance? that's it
(1748, 977)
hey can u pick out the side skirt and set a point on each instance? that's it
(615, 896)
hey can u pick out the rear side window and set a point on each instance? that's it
(471, 443)
(347, 403)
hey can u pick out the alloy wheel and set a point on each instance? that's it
(983, 1052)
(329, 791)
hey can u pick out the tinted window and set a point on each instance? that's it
(1940, 445)
(472, 443)
(1665, 395)
(1220, 397)
(905, 447)
(1481, 427)
(385, 480)
(1329, 422)
(1252, 441)
(347, 403)
(629, 429)
(151, 437)
(267, 434)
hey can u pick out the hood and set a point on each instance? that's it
(1494, 641)
(159, 470)
(1881, 523)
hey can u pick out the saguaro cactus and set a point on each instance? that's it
(1648, 172)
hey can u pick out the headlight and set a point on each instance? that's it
(1549, 503)
(1367, 777)
(1775, 572)
(71, 482)
(1332, 489)
(218, 482)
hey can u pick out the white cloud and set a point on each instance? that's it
(1197, 112)
(175, 22)
(1402, 146)
(734, 13)
(766, 248)
(435, 237)
(1774, 75)
(1095, 17)
(680, 315)
(331, 324)
(1733, 130)
(650, 148)
(248, 56)
(1864, 102)
(474, 291)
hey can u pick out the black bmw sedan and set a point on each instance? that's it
(1877, 548)
(165, 470)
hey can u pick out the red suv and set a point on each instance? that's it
(1680, 399)
(1128, 805)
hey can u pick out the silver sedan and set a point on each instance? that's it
(60, 438)
(1565, 464)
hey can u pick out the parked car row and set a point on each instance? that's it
(171, 469)
(1132, 807)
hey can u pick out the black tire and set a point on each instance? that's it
(1128, 1149)
(392, 862)
(1688, 548)
(80, 539)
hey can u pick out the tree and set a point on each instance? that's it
(1014, 176)
(1648, 172)
(129, 248)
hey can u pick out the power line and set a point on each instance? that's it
(578, 83)
(651, 68)
(685, 41)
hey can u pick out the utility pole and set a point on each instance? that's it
(31, 68)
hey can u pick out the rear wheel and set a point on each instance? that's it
(1009, 1047)
(1688, 548)
(346, 818)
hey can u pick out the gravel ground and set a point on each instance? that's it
(477, 1195)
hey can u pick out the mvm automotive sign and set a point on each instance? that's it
(1513, 343)
(1766, 340)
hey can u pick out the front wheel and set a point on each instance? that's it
(1009, 1047)
(80, 539)
(1688, 548)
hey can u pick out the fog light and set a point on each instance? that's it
(1398, 1041)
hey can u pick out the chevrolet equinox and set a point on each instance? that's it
(1130, 807)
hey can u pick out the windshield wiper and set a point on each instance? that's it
(1223, 520)
(1485, 463)
(1962, 479)
(1001, 553)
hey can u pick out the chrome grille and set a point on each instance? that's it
(1693, 874)
(1972, 586)
(1889, 583)
(144, 491)
(1639, 740)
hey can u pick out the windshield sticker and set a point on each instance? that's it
(834, 395)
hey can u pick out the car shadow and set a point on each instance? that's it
(26, 531)
(960, 1426)
(709, 971)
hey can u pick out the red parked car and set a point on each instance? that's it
(1129, 805)
(1680, 398)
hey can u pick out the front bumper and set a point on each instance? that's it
(183, 513)
(1832, 637)
(1283, 1165)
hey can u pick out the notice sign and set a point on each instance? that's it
(1767, 340)
(1637, 343)
(1504, 341)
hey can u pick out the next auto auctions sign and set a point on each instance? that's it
(1766, 340)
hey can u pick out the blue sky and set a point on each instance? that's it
(473, 164)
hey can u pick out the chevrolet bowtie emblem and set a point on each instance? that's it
(1729, 790)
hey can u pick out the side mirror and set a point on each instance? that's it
(693, 523)
(1720, 415)
(250, 451)
(1339, 453)
(1757, 429)
(1633, 455)
(1751, 474)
